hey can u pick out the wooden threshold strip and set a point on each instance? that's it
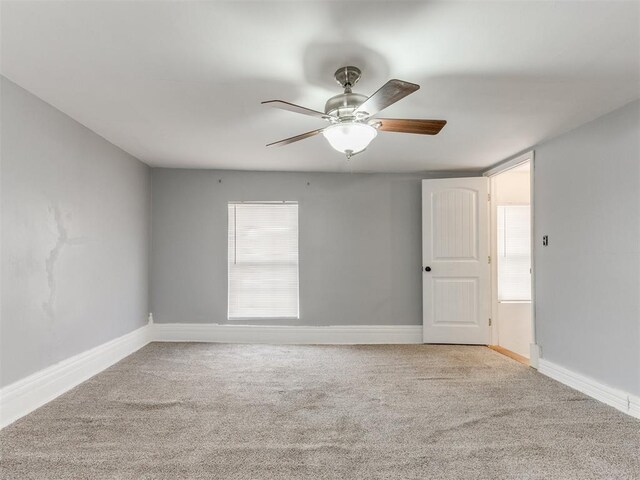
(510, 354)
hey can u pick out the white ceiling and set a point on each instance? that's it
(180, 83)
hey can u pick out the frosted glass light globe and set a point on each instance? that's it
(349, 138)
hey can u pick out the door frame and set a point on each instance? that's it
(534, 349)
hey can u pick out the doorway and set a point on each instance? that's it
(511, 265)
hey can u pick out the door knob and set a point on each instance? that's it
(427, 269)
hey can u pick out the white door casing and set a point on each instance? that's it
(455, 248)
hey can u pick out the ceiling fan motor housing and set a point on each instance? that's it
(343, 104)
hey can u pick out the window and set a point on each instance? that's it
(514, 253)
(263, 260)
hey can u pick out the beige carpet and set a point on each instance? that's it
(207, 411)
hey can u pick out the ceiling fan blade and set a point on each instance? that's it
(296, 109)
(297, 138)
(404, 125)
(388, 94)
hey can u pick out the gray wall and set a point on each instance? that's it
(360, 254)
(587, 199)
(75, 236)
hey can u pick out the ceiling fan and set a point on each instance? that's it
(351, 115)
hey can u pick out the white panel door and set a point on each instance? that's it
(455, 261)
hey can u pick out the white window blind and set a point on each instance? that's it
(514, 253)
(263, 260)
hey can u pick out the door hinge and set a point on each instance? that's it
(489, 259)
(489, 322)
(488, 197)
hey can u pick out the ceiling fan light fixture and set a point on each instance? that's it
(350, 137)
(352, 116)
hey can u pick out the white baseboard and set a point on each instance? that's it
(348, 334)
(24, 396)
(634, 406)
(619, 399)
